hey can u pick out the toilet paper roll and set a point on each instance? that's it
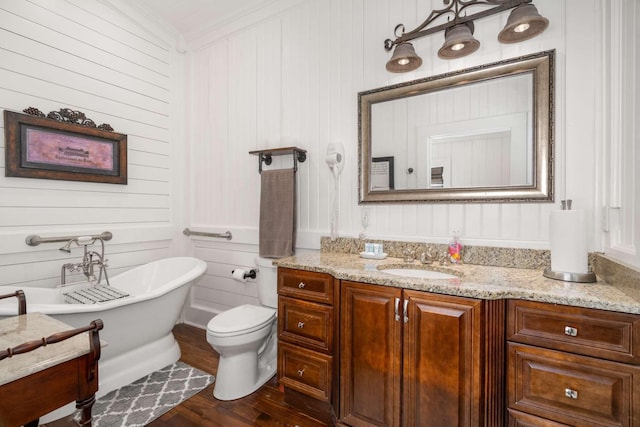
(239, 275)
(568, 241)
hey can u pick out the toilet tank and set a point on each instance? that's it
(267, 279)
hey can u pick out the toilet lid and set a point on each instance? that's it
(241, 319)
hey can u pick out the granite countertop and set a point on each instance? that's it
(17, 330)
(475, 281)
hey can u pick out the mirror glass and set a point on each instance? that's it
(481, 134)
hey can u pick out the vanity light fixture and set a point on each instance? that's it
(524, 22)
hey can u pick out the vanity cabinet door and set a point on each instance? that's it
(441, 361)
(370, 359)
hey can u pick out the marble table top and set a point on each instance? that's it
(476, 281)
(34, 326)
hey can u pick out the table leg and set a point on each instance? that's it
(85, 410)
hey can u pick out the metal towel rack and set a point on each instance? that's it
(265, 156)
(226, 235)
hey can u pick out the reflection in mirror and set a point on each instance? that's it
(482, 134)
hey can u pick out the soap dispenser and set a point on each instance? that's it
(455, 250)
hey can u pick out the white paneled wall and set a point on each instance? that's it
(89, 56)
(292, 79)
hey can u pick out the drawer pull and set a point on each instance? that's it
(301, 285)
(571, 394)
(404, 309)
(396, 310)
(572, 332)
(300, 372)
(300, 325)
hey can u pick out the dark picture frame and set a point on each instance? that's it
(382, 173)
(37, 147)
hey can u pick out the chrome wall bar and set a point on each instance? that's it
(225, 235)
(35, 240)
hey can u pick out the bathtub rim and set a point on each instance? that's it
(196, 270)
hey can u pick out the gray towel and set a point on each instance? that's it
(277, 213)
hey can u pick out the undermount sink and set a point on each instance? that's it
(418, 273)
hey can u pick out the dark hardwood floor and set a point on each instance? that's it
(266, 407)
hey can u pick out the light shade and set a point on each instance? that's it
(404, 59)
(458, 42)
(523, 23)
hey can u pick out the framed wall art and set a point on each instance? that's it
(382, 173)
(45, 148)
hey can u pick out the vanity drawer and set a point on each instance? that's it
(575, 390)
(306, 323)
(305, 285)
(520, 419)
(604, 334)
(305, 371)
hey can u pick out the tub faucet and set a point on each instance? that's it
(90, 260)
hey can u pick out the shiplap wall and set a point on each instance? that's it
(87, 55)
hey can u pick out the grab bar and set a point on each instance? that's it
(35, 240)
(225, 235)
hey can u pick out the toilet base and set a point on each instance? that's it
(240, 375)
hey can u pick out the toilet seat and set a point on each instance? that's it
(241, 320)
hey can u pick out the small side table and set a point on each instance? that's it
(51, 372)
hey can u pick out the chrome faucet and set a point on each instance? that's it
(90, 260)
(429, 256)
(409, 255)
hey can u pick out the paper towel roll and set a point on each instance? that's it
(239, 275)
(568, 241)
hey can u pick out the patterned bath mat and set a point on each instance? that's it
(141, 402)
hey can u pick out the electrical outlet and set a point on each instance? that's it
(456, 231)
(364, 218)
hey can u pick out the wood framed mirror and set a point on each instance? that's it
(483, 134)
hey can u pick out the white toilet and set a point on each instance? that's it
(245, 337)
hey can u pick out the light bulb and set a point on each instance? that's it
(403, 61)
(521, 28)
(457, 46)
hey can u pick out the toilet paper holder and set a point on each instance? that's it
(250, 274)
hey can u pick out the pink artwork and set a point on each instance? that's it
(68, 150)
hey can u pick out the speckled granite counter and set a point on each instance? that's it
(476, 281)
(33, 326)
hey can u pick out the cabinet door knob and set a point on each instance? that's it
(300, 325)
(300, 372)
(570, 331)
(301, 285)
(571, 394)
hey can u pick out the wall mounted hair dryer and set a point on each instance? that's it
(335, 158)
(335, 161)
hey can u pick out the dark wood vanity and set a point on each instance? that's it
(376, 355)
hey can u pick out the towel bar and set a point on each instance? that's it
(265, 156)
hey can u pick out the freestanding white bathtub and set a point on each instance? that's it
(137, 328)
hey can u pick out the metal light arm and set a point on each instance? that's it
(454, 10)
